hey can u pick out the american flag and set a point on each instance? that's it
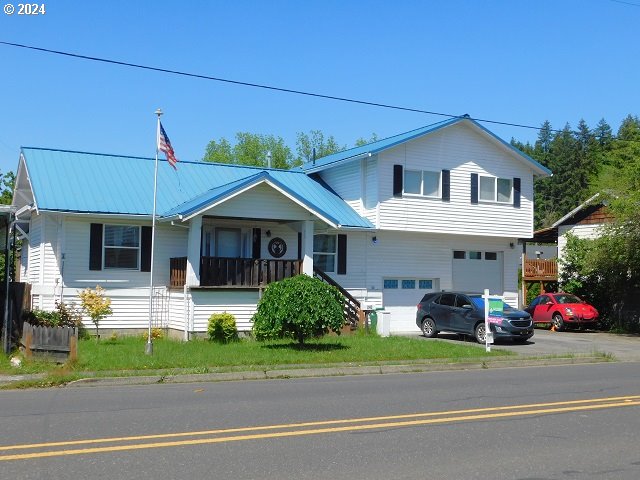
(164, 145)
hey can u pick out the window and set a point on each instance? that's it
(462, 301)
(425, 284)
(459, 254)
(417, 182)
(408, 284)
(490, 255)
(122, 246)
(324, 252)
(391, 283)
(448, 299)
(475, 255)
(494, 189)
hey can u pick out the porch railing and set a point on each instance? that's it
(540, 269)
(352, 311)
(178, 271)
(235, 272)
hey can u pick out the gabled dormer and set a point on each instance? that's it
(454, 176)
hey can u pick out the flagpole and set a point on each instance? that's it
(149, 346)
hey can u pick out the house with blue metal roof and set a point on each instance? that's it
(439, 207)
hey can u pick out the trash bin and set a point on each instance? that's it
(373, 320)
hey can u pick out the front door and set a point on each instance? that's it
(228, 242)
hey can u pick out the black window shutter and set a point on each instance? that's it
(95, 247)
(342, 254)
(474, 188)
(257, 243)
(299, 245)
(516, 192)
(446, 185)
(397, 180)
(145, 249)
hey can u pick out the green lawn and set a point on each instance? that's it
(125, 355)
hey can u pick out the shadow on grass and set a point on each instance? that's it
(307, 347)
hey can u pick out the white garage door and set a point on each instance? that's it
(475, 270)
(400, 297)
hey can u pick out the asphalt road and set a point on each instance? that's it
(561, 422)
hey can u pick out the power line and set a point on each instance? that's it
(278, 89)
(627, 3)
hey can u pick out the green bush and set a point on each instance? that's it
(300, 307)
(222, 327)
(65, 315)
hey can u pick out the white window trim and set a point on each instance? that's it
(105, 246)
(333, 254)
(421, 194)
(495, 190)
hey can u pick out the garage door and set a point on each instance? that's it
(475, 270)
(400, 295)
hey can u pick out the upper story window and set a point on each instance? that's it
(122, 246)
(422, 182)
(494, 189)
(324, 252)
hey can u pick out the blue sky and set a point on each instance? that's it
(511, 61)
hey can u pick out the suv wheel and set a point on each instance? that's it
(429, 328)
(481, 333)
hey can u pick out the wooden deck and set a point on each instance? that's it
(538, 269)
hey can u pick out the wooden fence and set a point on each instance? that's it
(56, 343)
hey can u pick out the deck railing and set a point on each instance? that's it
(235, 272)
(540, 269)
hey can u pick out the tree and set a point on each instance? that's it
(7, 182)
(95, 305)
(251, 149)
(299, 307)
(363, 141)
(305, 143)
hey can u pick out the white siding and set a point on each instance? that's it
(261, 201)
(346, 181)
(171, 242)
(51, 239)
(462, 151)
(370, 189)
(35, 249)
(240, 303)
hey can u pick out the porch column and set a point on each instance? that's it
(307, 247)
(193, 252)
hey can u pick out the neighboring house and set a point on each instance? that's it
(585, 221)
(441, 207)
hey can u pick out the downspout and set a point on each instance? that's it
(185, 312)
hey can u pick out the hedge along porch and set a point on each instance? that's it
(218, 242)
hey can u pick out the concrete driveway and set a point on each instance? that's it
(624, 348)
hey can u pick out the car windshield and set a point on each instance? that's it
(479, 302)
(564, 298)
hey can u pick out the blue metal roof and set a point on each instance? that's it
(114, 184)
(386, 143)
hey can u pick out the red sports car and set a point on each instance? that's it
(562, 310)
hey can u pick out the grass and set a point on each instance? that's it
(125, 355)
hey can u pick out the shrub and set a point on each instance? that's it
(42, 318)
(300, 307)
(156, 334)
(95, 305)
(222, 327)
(65, 315)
